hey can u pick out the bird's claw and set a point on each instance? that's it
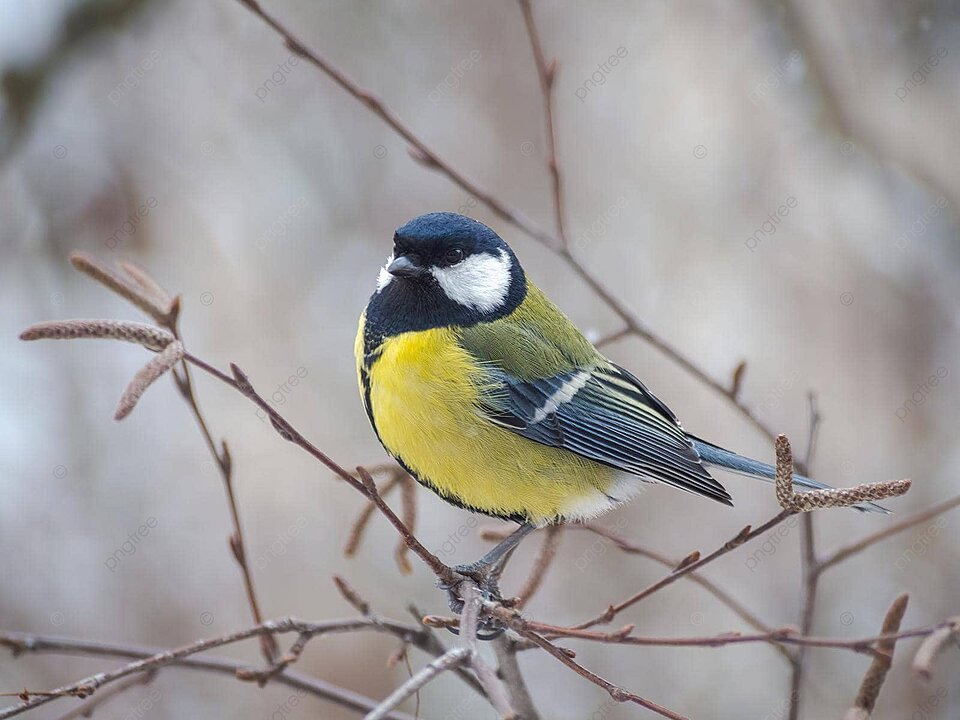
(487, 628)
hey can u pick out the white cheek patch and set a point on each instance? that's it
(384, 278)
(480, 281)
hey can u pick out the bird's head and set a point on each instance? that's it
(448, 269)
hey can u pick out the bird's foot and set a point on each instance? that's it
(486, 580)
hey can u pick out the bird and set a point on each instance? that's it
(488, 395)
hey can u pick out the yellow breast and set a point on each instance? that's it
(422, 395)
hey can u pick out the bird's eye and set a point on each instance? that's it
(452, 256)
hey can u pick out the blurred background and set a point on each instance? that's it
(184, 136)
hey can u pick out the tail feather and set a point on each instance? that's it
(713, 455)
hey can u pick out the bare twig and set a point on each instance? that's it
(906, 523)
(20, 642)
(546, 72)
(722, 595)
(508, 669)
(408, 506)
(454, 657)
(86, 709)
(541, 564)
(877, 672)
(492, 685)
(617, 693)
(742, 537)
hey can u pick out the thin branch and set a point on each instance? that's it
(906, 523)
(508, 669)
(86, 709)
(808, 560)
(617, 693)
(359, 527)
(364, 484)
(786, 635)
(150, 660)
(541, 564)
(547, 72)
(492, 685)
(720, 594)
(427, 642)
(408, 506)
(742, 537)
(421, 152)
(454, 657)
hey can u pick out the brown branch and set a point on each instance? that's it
(722, 595)
(359, 527)
(742, 537)
(617, 693)
(541, 564)
(624, 636)
(408, 506)
(546, 73)
(421, 152)
(906, 523)
(364, 484)
(877, 672)
(151, 661)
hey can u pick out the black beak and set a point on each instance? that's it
(404, 267)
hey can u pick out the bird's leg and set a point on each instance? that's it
(491, 565)
(486, 573)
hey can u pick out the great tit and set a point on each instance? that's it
(487, 394)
